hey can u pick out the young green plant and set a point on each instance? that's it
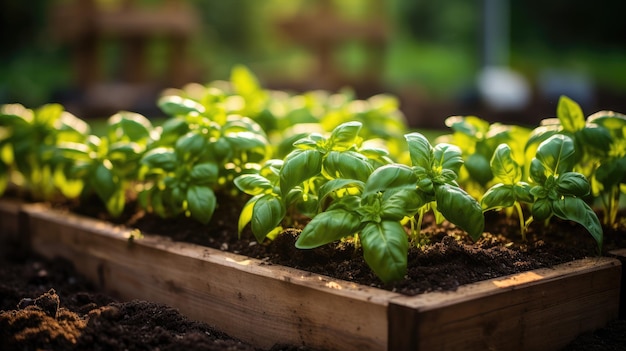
(109, 164)
(32, 136)
(373, 211)
(557, 190)
(510, 191)
(437, 169)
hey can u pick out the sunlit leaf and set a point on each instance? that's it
(419, 149)
(268, 212)
(252, 184)
(570, 114)
(299, 166)
(504, 167)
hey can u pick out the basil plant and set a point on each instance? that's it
(374, 211)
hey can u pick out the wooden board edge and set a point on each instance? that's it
(573, 298)
(224, 258)
(620, 254)
(496, 286)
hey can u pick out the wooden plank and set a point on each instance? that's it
(247, 298)
(539, 310)
(620, 254)
(9, 217)
(13, 224)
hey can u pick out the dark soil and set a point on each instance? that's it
(46, 305)
(88, 320)
(447, 260)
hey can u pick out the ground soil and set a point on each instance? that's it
(76, 317)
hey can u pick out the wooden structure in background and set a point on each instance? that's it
(84, 25)
(324, 31)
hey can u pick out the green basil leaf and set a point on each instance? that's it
(327, 227)
(345, 135)
(498, 196)
(385, 249)
(124, 155)
(570, 114)
(129, 126)
(576, 210)
(246, 140)
(468, 125)
(556, 154)
(116, 202)
(420, 150)
(504, 167)
(160, 158)
(204, 174)
(245, 216)
(595, 137)
(346, 203)
(177, 105)
(523, 192)
(353, 186)
(460, 208)
(346, 164)
(427, 186)
(612, 173)
(190, 146)
(390, 177)
(201, 203)
(401, 203)
(171, 130)
(175, 196)
(447, 156)
(69, 187)
(541, 209)
(72, 126)
(267, 213)
(299, 165)
(156, 202)
(614, 123)
(538, 172)
(103, 182)
(48, 114)
(573, 183)
(74, 151)
(478, 168)
(244, 81)
(252, 184)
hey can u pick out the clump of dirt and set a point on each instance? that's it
(46, 305)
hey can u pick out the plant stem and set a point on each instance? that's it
(526, 225)
(611, 215)
(520, 216)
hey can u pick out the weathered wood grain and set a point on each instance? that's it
(247, 298)
(539, 310)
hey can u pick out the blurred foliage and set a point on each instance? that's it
(433, 45)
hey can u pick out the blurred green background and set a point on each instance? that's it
(428, 53)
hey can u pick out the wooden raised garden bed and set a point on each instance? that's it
(263, 304)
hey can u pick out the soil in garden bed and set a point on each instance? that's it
(46, 305)
(446, 260)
